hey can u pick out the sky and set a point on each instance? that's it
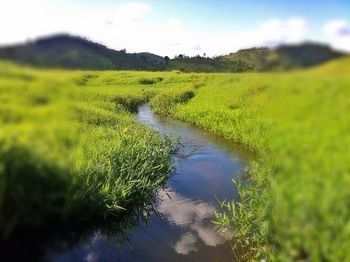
(172, 27)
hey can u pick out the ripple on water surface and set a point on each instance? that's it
(205, 166)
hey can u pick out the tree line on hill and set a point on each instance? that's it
(73, 52)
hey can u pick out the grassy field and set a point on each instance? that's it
(70, 148)
(297, 207)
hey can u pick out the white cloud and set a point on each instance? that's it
(132, 10)
(277, 31)
(131, 25)
(269, 33)
(174, 24)
(338, 28)
(338, 32)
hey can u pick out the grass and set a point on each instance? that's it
(70, 150)
(73, 136)
(297, 205)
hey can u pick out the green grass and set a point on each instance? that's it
(74, 135)
(297, 206)
(71, 151)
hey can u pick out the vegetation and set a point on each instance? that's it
(71, 52)
(71, 151)
(295, 206)
(65, 51)
(257, 59)
(72, 142)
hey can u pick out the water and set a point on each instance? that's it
(205, 166)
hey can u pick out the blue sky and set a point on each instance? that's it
(181, 26)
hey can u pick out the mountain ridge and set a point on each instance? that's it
(74, 52)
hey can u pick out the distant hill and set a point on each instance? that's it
(339, 66)
(72, 52)
(255, 59)
(259, 59)
(199, 64)
(66, 51)
(306, 55)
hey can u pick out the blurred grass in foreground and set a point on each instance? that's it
(297, 206)
(71, 151)
(69, 144)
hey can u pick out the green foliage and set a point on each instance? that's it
(164, 102)
(150, 81)
(245, 221)
(70, 150)
(71, 52)
(257, 59)
(295, 205)
(76, 130)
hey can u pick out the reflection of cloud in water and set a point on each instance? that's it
(192, 217)
(91, 257)
(182, 211)
(208, 235)
(186, 244)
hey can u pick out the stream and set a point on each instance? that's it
(205, 166)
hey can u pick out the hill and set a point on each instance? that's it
(72, 52)
(339, 66)
(259, 59)
(255, 59)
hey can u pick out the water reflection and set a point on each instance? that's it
(205, 166)
(193, 218)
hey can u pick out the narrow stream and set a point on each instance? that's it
(205, 166)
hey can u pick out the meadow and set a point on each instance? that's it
(71, 150)
(296, 206)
